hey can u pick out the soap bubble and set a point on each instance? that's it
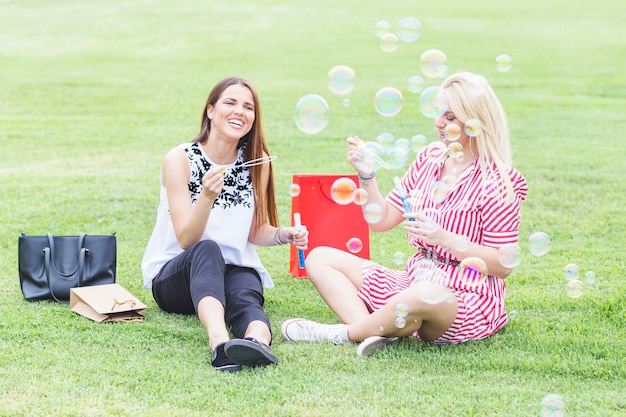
(552, 406)
(403, 143)
(386, 139)
(539, 243)
(473, 127)
(397, 157)
(295, 190)
(359, 196)
(402, 310)
(574, 288)
(418, 142)
(388, 101)
(409, 29)
(503, 63)
(354, 245)
(510, 256)
(452, 131)
(312, 114)
(434, 63)
(389, 42)
(342, 190)
(570, 271)
(473, 271)
(491, 189)
(471, 300)
(455, 150)
(373, 213)
(433, 102)
(381, 28)
(341, 79)
(415, 84)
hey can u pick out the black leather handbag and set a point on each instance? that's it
(50, 265)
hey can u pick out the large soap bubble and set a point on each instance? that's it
(312, 114)
(388, 101)
(341, 79)
(434, 63)
(433, 102)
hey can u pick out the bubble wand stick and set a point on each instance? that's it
(403, 197)
(298, 223)
(251, 163)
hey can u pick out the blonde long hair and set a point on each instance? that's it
(471, 97)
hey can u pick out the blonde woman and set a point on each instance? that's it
(463, 211)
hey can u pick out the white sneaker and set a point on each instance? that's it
(373, 344)
(310, 331)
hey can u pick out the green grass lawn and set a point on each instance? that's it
(94, 93)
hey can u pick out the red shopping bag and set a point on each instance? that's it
(340, 226)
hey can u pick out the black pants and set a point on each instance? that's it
(200, 272)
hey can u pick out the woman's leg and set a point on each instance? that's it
(244, 304)
(193, 282)
(337, 276)
(430, 320)
(211, 315)
(246, 318)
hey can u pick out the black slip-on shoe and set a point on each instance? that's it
(223, 363)
(249, 352)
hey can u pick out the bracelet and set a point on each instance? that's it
(366, 180)
(276, 239)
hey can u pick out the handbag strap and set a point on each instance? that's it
(48, 263)
(81, 240)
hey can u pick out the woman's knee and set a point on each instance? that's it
(325, 256)
(318, 260)
(426, 298)
(205, 247)
(206, 251)
(316, 255)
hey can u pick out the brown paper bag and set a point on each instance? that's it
(106, 303)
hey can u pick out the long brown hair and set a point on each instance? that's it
(255, 146)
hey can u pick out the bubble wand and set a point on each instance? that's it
(403, 197)
(252, 162)
(298, 223)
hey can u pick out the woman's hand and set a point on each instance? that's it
(425, 229)
(212, 183)
(359, 157)
(300, 239)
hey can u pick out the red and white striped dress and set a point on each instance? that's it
(473, 207)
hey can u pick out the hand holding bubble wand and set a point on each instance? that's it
(363, 158)
(403, 197)
(369, 153)
(298, 224)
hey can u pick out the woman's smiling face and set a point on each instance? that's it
(233, 114)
